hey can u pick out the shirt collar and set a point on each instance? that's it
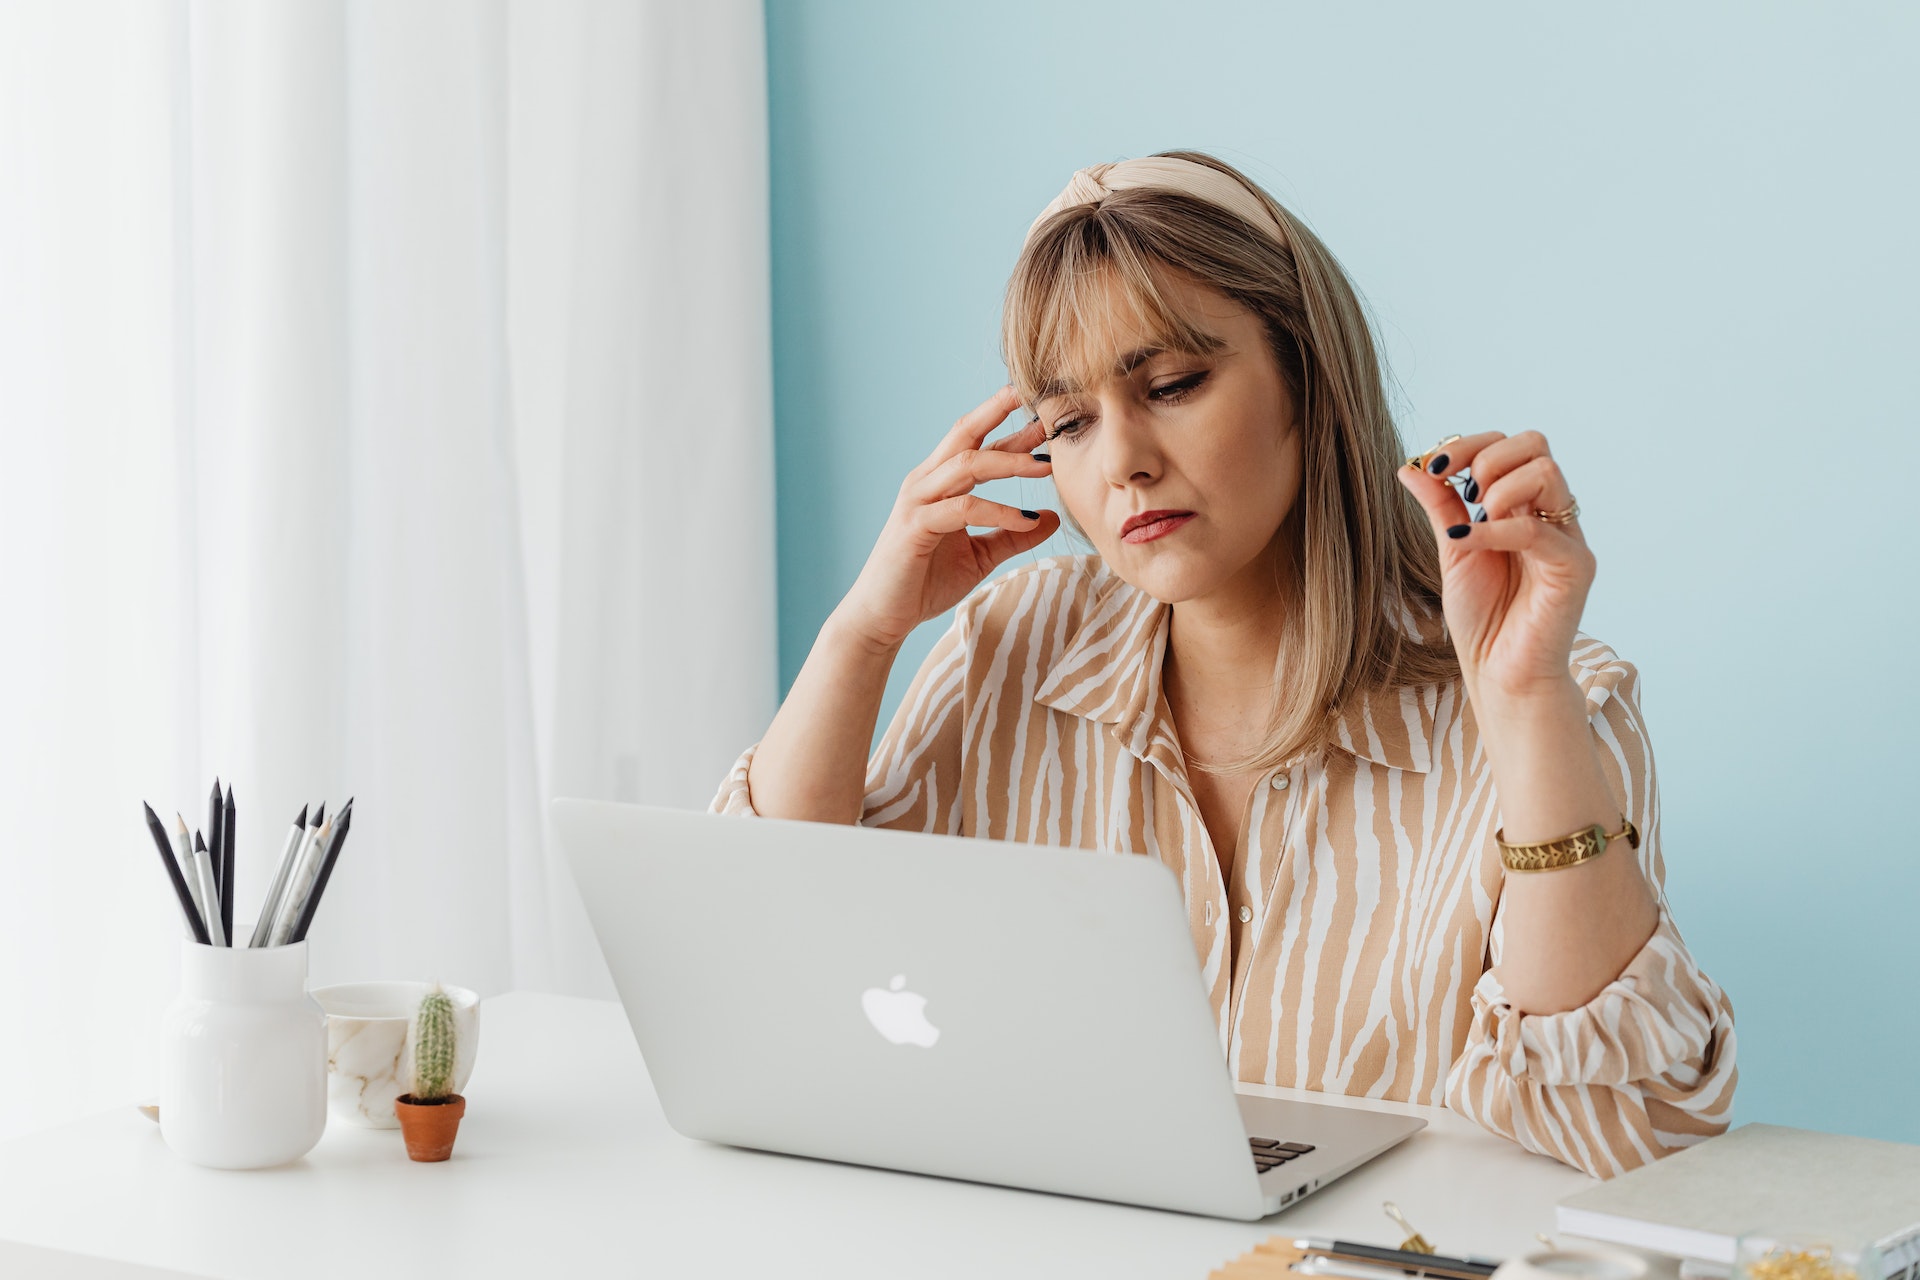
(1109, 671)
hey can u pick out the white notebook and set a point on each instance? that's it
(1759, 1178)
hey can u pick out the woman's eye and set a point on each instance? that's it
(1169, 393)
(1178, 389)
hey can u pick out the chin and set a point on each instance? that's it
(1167, 576)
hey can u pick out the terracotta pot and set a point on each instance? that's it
(429, 1127)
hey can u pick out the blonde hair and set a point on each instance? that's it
(1364, 558)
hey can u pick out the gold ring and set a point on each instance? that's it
(1419, 461)
(1558, 517)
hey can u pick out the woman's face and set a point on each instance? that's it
(1210, 438)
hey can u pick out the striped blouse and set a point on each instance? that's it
(1355, 947)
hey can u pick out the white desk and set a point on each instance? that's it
(538, 1188)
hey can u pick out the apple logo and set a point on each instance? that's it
(898, 1014)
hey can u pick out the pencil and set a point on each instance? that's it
(190, 870)
(213, 846)
(194, 927)
(300, 885)
(203, 863)
(342, 825)
(298, 875)
(227, 894)
(263, 927)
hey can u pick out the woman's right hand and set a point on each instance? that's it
(925, 561)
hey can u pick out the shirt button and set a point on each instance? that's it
(1246, 914)
(1279, 782)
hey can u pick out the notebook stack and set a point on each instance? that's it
(1759, 1178)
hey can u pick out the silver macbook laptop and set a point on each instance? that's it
(1005, 1013)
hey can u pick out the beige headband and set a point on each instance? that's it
(1096, 182)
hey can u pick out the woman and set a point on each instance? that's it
(1297, 670)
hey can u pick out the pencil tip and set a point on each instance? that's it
(199, 843)
(151, 817)
(216, 788)
(181, 823)
(320, 814)
(301, 821)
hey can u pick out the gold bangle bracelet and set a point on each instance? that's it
(1567, 851)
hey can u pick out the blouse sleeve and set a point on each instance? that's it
(913, 776)
(1647, 1066)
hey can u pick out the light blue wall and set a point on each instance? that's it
(1680, 240)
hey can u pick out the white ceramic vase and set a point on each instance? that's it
(243, 1058)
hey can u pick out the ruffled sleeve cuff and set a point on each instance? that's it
(1643, 1069)
(1661, 1018)
(733, 797)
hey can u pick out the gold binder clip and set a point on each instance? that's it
(1415, 1242)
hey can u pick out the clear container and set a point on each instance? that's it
(1798, 1253)
(243, 1058)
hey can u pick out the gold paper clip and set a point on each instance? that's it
(1415, 1242)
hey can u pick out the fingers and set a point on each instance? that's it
(951, 515)
(970, 467)
(1536, 483)
(973, 428)
(1511, 477)
(1483, 462)
(1443, 505)
(1002, 545)
(1028, 438)
(1552, 543)
(1455, 453)
(1490, 455)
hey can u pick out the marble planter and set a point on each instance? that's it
(370, 1050)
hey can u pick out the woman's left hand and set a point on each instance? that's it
(1513, 585)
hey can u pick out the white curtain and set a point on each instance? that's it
(384, 411)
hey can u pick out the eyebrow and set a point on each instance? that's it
(1121, 368)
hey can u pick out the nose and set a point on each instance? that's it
(1129, 455)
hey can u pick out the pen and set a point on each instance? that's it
(263, 928)
(203, 863)
(1409, 1263)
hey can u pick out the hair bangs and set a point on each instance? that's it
(1082, 285)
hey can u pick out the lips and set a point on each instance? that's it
(1148, 525)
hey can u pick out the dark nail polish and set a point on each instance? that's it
(1458, 530)
(1031, 515)
(1472, 492)
(1439, 465)
(1481, 516)
(1043, 457)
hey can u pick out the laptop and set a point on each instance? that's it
(1022, 1015)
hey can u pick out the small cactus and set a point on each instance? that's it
(435, 1044)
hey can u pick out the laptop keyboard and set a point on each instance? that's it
(1271, 1153)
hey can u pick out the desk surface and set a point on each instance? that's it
(536, 1187)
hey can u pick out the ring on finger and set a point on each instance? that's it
(1565, 515)
(1420, 461)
